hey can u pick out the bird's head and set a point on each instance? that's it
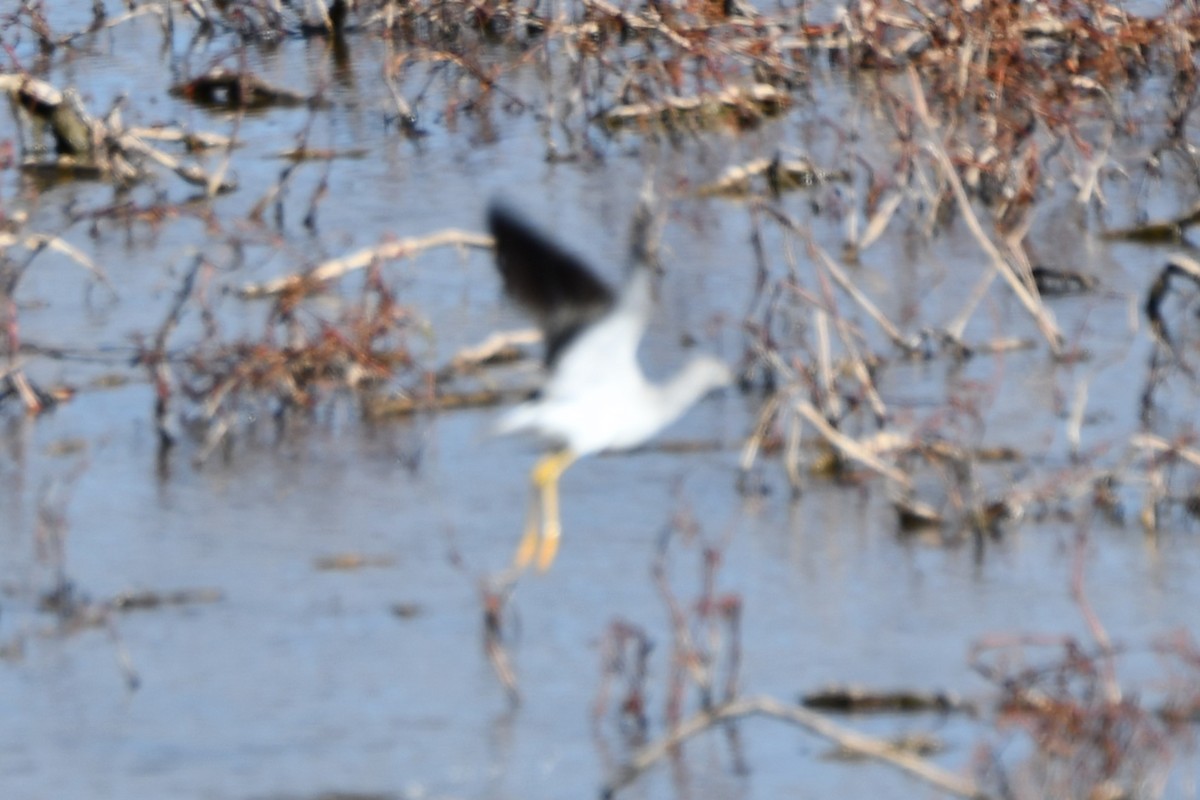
(707, 372)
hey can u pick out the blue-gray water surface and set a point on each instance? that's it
(301, 680)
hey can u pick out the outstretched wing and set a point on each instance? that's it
(553, 286)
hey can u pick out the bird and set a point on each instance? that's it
(595, 396)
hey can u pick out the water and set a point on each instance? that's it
(301, 680)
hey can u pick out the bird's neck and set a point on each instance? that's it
(683, 389)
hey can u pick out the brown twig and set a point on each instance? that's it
(495, 601)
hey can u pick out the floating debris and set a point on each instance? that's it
(314, 154)
(858, 699)
(67, 446)
(917, 743)
(402, 405)
(748, 105)
(915, 515)
(1052, 282)
(345, 562)
(777, 174)
(1157, 232)
(86, 148)
(1180, 266)
(61, 112)
(406, 610)
(150, 600)
(225, 88)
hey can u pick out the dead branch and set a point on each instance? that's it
(755, 441)
(878, 222)
(640, 22)
(857, 363)
(39, 241)
(865, 303)
(336, 268)
(193, 140)
(1158, 231)
(156, 9)
(232, 89)
(849, 740)
(756, 100)
(859, 699)
(851, 448)
(190, 173)
(1107, 667)
(1157, 444)
(500, 346)
(439, 400)
(495, 600)
(155, 359)
(1041, 315)
(778, 175)
(77, 137)
(1179, 266)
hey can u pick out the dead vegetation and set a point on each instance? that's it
(987, 116)
(1090, 737)
(90, 148)
(298, 364)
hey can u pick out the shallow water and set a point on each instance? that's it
(301, 680)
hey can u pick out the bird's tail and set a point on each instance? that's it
(518, 419)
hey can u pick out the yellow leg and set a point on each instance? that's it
(551, 526)
(545, 499)
(532, 535)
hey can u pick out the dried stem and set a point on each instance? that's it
(851, 741)
(336, 268)
(1041, 315)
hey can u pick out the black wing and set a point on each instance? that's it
(555, 287)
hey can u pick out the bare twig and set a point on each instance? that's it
(849, 740)
(841, 278)
(336, 268)
(151, 8)
(1157, 444)
(494, 347)
(850, 447)
(1041, 315)
(495, 600)
(39, 241)
(190, 173)
(1111, 688)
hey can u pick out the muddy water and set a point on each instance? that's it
(301, 680)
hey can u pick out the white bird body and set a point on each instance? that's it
(598, 399)
(596, 396)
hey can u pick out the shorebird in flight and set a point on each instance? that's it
(595, 397)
